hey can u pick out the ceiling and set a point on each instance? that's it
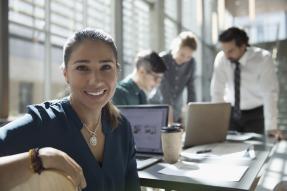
(240, 7)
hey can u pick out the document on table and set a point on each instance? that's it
(212, 172)
(230, 150)
(242, 136)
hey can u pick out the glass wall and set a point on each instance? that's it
(266, 27)
(38, 29)
(170, 22)
(136, 30)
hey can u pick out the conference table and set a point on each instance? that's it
(150, 177)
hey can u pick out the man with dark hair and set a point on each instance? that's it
(245, 76)
(133, 90)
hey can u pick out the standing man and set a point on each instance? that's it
(133, 90)
(245, 76)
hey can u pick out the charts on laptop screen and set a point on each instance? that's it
(146, 122)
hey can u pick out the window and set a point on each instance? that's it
(99, 14)
(27, 19)
(136, 30)
(27, 27)
(25, 95)
(170, 22)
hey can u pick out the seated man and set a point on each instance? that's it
(133, 90)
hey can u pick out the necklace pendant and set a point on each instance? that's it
(93, 140)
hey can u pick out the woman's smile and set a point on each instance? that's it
(97, 93)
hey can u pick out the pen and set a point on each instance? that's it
(203, 151)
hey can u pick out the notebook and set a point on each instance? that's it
(206, 122)
(146, 122)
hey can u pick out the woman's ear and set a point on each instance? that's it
(65, 74)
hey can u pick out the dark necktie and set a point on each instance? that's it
(237, 112)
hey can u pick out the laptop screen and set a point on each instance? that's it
(206, 122)
(146, 122)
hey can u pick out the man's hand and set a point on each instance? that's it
(276, 133)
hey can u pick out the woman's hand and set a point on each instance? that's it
(58, 160)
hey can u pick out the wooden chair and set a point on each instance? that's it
(47, 181)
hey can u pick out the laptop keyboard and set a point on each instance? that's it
(142, 157)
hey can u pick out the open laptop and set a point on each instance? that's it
(206, 122)
(146, 122)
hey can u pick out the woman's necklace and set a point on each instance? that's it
(93, 139)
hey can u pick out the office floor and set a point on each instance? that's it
(276, 169)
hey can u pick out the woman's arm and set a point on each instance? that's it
(16, 169)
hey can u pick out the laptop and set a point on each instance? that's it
(146, 122)
(206, 122)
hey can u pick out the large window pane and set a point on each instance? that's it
(99, 14)
(27, 43)
(170, 22)
(170, 32)
(136, 30)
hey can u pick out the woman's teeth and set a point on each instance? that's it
(96, 93)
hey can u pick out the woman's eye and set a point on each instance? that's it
(106, 67)
(82, 68)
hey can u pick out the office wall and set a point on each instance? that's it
(27, 73)
(278, 49)
(209, 53)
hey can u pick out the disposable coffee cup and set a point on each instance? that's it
(171, 143)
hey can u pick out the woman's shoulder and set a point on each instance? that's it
(191, 62)
(50, 104)
(33, 127)
(48, 109)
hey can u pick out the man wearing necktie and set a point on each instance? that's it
(246, 77)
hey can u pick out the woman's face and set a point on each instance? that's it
(183, 55)
(91, 73)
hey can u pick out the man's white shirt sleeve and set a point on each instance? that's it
(259, 83)
(218, 80)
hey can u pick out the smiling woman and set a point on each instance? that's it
(92, 80)
(75, 135)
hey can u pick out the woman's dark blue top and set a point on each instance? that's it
(55, 124)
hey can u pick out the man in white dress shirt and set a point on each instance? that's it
(256, 103)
